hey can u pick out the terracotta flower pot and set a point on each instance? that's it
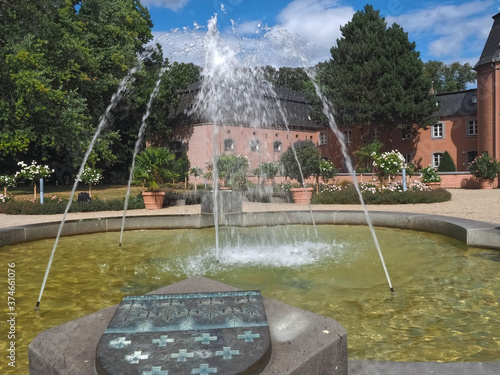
(153, 200)
(434, 185)
(301, 195)
(485, 183)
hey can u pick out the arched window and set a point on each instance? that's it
(277, 146)
(254, 145)
(436, 159)
(228, 144)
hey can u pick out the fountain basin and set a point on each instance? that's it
(464, 230)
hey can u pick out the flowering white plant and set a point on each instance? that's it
(388, 163)
(33, 171)
(327, 169)
(7, 180)
(91, 176)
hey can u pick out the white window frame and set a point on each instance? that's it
(437, 157)
(323, 138)
(437, 131)
(472, 128)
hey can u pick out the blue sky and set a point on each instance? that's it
(443, 30)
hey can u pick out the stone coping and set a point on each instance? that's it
(471, 232)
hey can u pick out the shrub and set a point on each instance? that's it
(484, 166)
(58, 206)
(447, 164)
(429, 174)
(373, 195)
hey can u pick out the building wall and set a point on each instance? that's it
(489, 109)
(455, 140)
(199, 142)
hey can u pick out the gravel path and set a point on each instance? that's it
(482, 205)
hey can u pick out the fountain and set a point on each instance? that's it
(474, 233)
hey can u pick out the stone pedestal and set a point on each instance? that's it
(302, 342)
(228, 201)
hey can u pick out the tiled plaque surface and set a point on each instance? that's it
(172, 334)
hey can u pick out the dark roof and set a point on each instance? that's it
(457, 103)
(294, 105)
(491, 51)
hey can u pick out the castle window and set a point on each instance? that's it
(406, 132)
(277, 146)
(472, 127)
(375, 134)
(254, 145)
(228, 144)
(348, 137)
(437, 131)
(436, 159)
(323, 139)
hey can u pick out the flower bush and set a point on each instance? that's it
(91, 176)
(387, 164)
(327, 169)
(33, 171)
(7, 181)
(484, 166)
(233, 170)
(4, 198)
(429, 174)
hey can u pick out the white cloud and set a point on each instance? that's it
(169, 4)
(449, 31)
(317, 21)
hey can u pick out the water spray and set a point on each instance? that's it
(138, 145)
(105, 119)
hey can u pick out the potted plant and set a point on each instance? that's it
(484, 168)
(153, 167)
(300, 161)
(430, 177)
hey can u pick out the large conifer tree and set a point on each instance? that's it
(375, 76)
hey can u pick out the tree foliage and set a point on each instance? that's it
(301, 161)
(375, 76)
(60, 64)
(449, 77)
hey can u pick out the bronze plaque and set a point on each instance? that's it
(196, 333)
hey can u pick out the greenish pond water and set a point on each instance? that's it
(446, 306)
